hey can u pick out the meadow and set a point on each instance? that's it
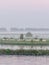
(23, 42)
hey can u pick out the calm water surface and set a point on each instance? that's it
(24, 60)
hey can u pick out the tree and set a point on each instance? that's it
(21, 36)
(41, 39)
(28, 35)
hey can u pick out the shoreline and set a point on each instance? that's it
(24, 52)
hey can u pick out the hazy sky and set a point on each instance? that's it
(24, 13)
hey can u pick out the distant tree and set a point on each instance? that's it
(5, 38)
(28, 35)
(41, 39)
(21, 36)
(11, 38)
(35, 38)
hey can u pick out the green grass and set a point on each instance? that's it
(24, 52)
(15, 42)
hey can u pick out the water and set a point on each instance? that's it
(24, 60)
(16, 47)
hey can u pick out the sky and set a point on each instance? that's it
(24, 13)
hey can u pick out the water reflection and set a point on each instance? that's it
(24, 60)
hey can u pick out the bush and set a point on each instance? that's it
(41, 39)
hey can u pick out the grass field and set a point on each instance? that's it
(16, 42)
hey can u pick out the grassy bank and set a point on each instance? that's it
(24, 52)
(15, 42)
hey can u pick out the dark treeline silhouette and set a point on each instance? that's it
(29, 29)
(24, 29)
